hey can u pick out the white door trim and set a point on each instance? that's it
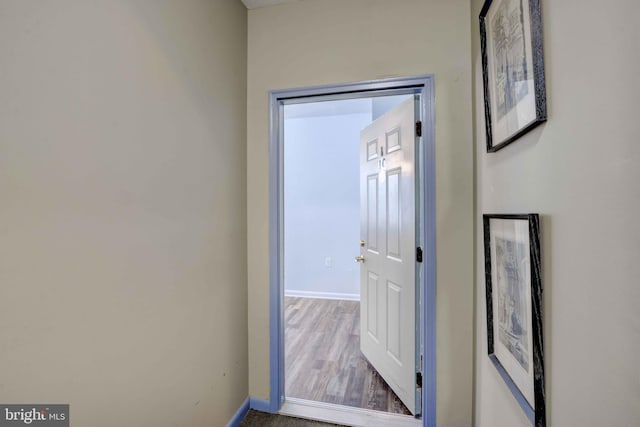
(423, 85)
(344, 415)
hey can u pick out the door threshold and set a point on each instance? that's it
(346, 415)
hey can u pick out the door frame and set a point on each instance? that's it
(427, 269)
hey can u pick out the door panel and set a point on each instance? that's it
(372, 213)
(387, 226)
(393, 215)
(393, 140)
(372, 149)
(394, 301)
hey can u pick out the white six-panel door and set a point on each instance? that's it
(387, 228)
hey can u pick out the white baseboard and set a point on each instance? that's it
(321, 295)
(345, 415)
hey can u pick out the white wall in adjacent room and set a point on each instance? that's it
(321, 195)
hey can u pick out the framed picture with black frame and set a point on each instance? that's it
(513, 277)
(515, 99)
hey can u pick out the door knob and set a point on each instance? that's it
(359, 258)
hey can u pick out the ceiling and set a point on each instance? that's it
(254, 4)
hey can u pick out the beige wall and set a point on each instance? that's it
(316, 42)
(580, 172)
(122, 209)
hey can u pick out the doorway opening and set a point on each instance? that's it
(353, 253)
(322, 231)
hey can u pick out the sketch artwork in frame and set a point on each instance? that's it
(512, 69)
(514, 307)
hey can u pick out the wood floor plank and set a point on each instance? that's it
(323, 361)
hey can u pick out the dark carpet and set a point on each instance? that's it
(262, 419)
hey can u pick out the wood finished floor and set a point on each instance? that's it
(323, 361)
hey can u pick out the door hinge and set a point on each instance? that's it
(419, 254)
(418, 379)
(419, 128)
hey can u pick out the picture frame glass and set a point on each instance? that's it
(511, 295)
(510, 68)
